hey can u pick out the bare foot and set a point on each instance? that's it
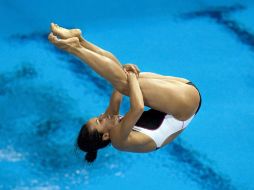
(63, 32)
(69, 45)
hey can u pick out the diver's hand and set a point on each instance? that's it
(131, 76)
(104, 115)
(131, 68)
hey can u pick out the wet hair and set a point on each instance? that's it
(90, 141)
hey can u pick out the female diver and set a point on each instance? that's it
(173, 101)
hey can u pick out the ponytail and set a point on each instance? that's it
(91, 156)
(90, 142)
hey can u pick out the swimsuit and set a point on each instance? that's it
(159, 125)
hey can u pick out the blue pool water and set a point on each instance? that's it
(46, 95)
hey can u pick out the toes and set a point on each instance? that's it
(52, 38)
(54, 29)
(51, 26)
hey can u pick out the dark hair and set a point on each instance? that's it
(90, 142)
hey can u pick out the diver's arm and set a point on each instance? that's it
(114, 104)
(136, 109)
(136, 96)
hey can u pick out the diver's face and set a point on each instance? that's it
(103, 123)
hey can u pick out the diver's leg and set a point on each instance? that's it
(107, 68)
(176, 98)
(97, 49)
(69, 33)
(173, 97)
(162, 77)
(104, 66)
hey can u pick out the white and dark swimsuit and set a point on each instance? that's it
(159, 126)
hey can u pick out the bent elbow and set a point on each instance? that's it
(138, 108)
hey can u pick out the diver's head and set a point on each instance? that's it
(95, 134)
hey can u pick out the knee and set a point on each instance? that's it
(122, 87)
